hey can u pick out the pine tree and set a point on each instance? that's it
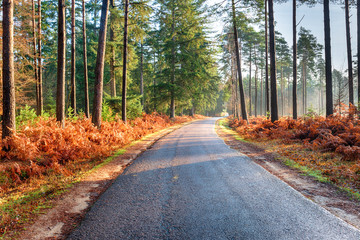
(8, 121)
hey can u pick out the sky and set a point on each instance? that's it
(313, 21)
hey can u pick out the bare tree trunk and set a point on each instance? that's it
(282, 91)
(241, 88)
(349, 56)
(328, 70)
(35, 55)
(294, 98)
(112, 61)
(274, 102)
(99, 68)
(172, 90)
(142, 74)
(8, 123)
(303, 87)
(86, 81)
(125, 61)
(60, 93)
(73, 58)
(250, 60)
(261, 92)
(40, 107)
(256, 89)
(358, 47)
(266, 60)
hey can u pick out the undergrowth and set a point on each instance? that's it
(44, 158)
(329, 147)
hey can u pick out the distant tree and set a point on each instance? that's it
(8, 121)
(308, 51)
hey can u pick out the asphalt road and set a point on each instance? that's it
(190, 185)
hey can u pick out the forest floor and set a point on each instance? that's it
(336, 199)
(51, 212)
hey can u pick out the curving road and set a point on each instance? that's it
(190, 185)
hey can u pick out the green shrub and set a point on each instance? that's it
(26, 115)
(133, 109)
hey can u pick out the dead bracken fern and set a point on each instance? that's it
(39, 148)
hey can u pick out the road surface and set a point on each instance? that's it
(190, 185)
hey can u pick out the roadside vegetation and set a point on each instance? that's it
(43, 160)
(325, 148)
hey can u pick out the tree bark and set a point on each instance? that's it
(35, 55)
(73, 59)
(112, 62)
(125, 61)
(142, 74)
(294, 90)
(250, 103)
(60, 93)
(266, 60)
(358, 47)
(274, 103)
(86, 79)
(241, 87)
(349, 56)
(40, 107)
(282, 90)
(99, 68)
(328, 70)
(8, 123)
(172, 81)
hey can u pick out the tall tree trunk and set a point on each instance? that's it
(112, 60)
(123, 108)
(172, 89)
(266, 60)
(241, 88)
(73, 59)
(60, 93)
(99, 68)
(294, 90)
(250, 61)
(256, 89)
(261, 92)
(328, 70)
(142, 73)
(358, 47)
(35, 53)
(8, 123)
(303, 86)
(349, 56)
(39, 109)
(86, 80)
(274, 103)
(282, 91)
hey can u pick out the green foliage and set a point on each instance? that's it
(133, 107)
(107, 112)
(27, 115)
